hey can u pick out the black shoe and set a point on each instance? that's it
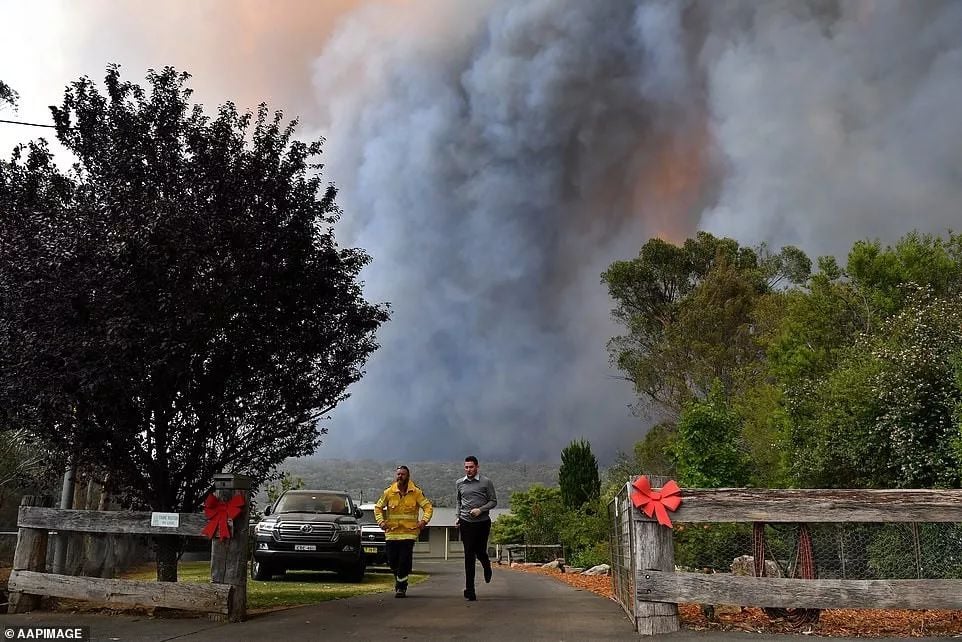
(487, 575)
(399, 594)
(470, 596)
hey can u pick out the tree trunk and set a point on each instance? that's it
(168, 547)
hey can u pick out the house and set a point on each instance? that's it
(441, 540)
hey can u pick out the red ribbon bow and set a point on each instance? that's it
(656, 503)
(218, 512)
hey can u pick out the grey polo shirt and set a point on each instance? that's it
(475, 493)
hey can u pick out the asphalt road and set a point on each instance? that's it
(515, 606)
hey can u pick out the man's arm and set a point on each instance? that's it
(492, 497)
(427, 508)
(379, 509)
(457, 505)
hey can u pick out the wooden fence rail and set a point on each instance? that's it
(226, 594)
(659, 588)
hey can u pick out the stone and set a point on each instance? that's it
(600, 569)
(744, 565)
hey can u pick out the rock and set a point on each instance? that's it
(555, 564)
(600, 569)
(744, 565)
(573, 569)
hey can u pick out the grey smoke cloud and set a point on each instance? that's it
(490, 166)
(838, 123)
(496, 163)
(495, 156)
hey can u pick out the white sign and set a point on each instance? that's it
(166, 520)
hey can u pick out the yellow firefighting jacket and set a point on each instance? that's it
(400, 512)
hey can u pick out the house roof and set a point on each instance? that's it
(446, 516)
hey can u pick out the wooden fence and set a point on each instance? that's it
(657, 588)
(225, 595)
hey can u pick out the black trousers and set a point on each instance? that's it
(474, 538)
(400, 555)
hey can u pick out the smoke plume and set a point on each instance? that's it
(495, 156)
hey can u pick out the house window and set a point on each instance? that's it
(424, 535)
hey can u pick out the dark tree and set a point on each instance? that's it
(578, 475)
(176, 305)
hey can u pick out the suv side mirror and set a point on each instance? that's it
(267, 511)
(358, 513)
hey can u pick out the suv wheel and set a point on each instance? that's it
(353, 574)
(261, 571)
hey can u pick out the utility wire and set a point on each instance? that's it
(17, 122)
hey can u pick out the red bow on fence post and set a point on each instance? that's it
(219, 512)
(656, 503)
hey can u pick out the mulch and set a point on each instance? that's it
(867, 623)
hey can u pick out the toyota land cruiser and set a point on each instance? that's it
(309, 530)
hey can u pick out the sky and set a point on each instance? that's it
(495, 156)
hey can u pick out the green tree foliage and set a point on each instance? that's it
(537, 517)
(286, 482)
(687, 313)
(8, 96)
(706, 451)
(866, 360)
(578, 475)
(177, 304)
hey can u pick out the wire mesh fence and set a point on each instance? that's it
(620, 536)
(529, 553)
(620, 539)
(841, 551)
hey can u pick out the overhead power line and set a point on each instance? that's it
(18, 122)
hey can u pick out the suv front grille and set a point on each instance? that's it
(373, 537)
(305, 532)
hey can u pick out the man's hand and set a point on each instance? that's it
(475, 512)
(421, 524)
(382, 525)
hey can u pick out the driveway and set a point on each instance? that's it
(515, 606)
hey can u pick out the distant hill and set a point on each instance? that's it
(366, 479)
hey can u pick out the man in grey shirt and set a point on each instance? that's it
(476, 497)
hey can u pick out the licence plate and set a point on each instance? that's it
(305, 547)
(370, 549)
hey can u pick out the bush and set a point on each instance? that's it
(594, 555)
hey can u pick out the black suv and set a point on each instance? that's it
(309, 530)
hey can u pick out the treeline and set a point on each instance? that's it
(773, 373)
(366, 479)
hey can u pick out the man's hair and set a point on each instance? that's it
(403, 467)
(472, 459)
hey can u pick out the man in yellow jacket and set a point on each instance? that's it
(397, 513)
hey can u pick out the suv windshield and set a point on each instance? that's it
(306, 503)
(367, 518)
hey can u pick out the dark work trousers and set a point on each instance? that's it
(474, 538)
(400, 554)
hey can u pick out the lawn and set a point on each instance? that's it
(295, 588)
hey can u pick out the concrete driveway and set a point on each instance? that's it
(515, 606)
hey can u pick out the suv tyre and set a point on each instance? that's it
(353, 574)
(261, 571)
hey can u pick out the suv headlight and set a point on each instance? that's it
(349, 528)
(264, 528)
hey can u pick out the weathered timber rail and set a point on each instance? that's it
(225, 595)
(649, 587)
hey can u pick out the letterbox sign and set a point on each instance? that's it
(165, 520)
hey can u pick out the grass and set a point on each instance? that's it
(295, 588)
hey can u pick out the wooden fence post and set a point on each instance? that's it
(654, 550)
(30, 555)
(228, 558)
